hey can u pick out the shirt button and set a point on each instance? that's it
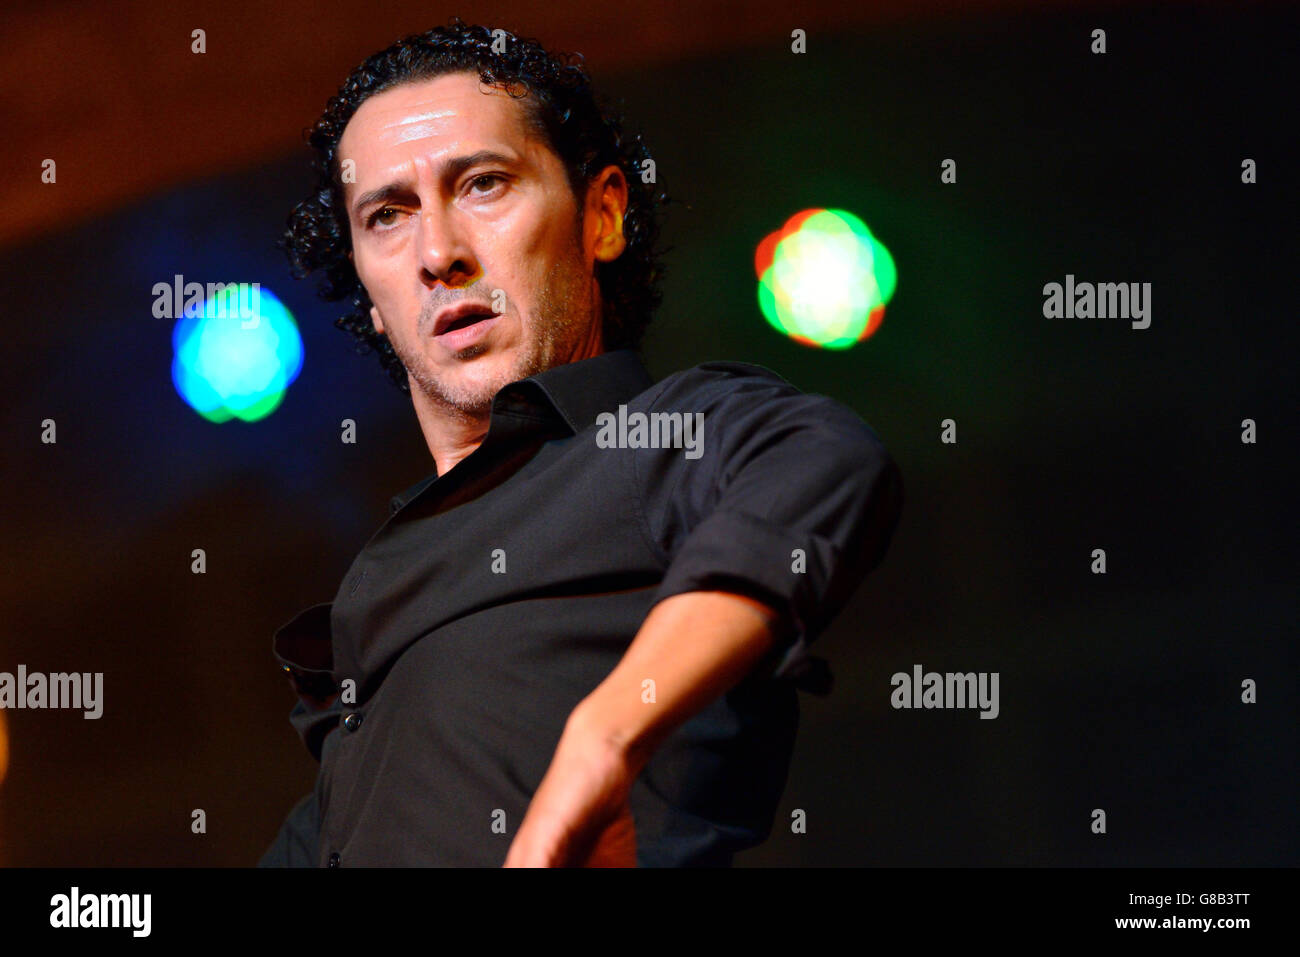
(352, 721)
(334, 860)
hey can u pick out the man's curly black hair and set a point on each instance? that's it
(563, 109)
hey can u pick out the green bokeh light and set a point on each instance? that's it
(827, 281)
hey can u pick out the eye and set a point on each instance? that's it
(485, 178)
(381, 212)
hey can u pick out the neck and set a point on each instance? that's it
(450, 433)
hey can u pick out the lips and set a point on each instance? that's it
(450, 318)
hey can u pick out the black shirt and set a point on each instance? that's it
(497, 596)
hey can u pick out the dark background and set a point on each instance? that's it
(1119, 691)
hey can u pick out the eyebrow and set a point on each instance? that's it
(451, 170)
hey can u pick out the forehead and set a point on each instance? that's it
(453, 112)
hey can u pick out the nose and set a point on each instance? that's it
(444, 250)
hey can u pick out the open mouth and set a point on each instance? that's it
(463, 321)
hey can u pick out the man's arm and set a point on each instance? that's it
(792, 501)
(695, 647)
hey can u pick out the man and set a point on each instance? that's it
(578, 641)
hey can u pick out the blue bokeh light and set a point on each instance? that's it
(236, 354)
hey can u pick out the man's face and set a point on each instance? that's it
(457, 200)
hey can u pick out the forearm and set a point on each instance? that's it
(694, 647)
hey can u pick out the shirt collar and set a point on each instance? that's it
(578, 391)
(582, 390)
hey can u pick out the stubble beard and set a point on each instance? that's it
(560, 322)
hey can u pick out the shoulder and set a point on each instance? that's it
(752, 396)
(712, 382)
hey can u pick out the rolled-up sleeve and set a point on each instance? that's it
(302, 646)
(793, 499)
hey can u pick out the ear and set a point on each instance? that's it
(376, 321)
(606, 206)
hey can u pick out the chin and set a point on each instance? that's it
(483, 368)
